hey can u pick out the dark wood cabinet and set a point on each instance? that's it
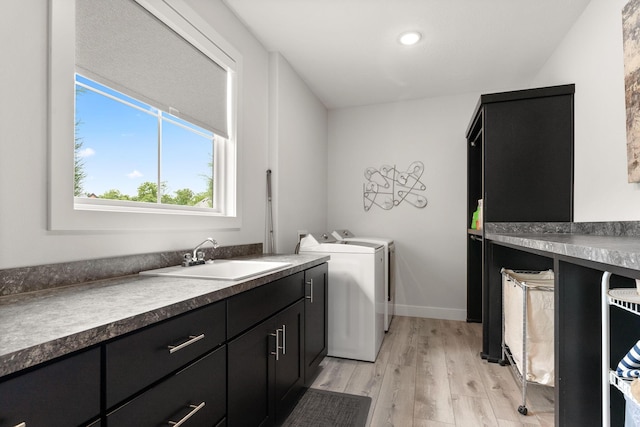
(252, 368)
(266, 369)
(290, 362)
(240, 362)
(528, 157)
(196, 393)
(248, 308)
(315, 320)
(64, 393)
(520, 156)
(139, 359)
(520, 163)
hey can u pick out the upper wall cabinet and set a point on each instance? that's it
(520, 156)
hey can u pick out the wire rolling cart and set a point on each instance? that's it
(527, 327)
(627, 299)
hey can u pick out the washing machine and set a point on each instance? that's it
(389, 269)
(355, 295)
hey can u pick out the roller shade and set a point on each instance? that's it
(121, 45)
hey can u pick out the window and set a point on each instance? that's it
(130, 151)
(148, 126)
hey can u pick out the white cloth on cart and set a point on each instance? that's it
(540, 352)
(631, 413)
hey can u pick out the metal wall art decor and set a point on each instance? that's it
(387, 187)
(631, 44)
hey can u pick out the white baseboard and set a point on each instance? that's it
(431, 312)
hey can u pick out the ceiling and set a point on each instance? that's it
(347, 51)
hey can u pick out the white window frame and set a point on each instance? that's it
(67, 212)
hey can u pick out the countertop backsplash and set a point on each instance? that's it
(40, 277)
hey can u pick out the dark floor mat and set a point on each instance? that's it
(320, 408)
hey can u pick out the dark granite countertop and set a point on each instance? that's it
(611, 243)
(39, 326)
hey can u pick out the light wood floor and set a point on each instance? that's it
(429, 373)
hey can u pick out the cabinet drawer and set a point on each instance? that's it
(198, 390)
(138, 360)
(251, 307)
(65, 393)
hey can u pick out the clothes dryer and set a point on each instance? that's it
(355, 295)
(389, 269)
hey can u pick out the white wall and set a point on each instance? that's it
(431, 242)
(319, 186)
(298, 141)
(24, 239)
(591, 57)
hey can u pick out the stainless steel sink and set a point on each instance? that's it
(222, 269)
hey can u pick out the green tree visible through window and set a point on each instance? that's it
(79, 173)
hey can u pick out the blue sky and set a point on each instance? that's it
(120, 147)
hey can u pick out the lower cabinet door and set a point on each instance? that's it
(251, 370)
(263, 385)
(315, 321)
(194, 396)
(290, 364)
(64, 393)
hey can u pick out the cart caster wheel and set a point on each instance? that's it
(522, 410)
(503, 362)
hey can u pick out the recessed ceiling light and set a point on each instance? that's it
(410, 38)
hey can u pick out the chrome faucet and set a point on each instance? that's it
(197, 257)
(200, 255)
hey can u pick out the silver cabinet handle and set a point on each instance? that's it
(275, 353)
(191, 340)
(195, 408)
(284, 340)
(22, 424)
(278, 346)
(310, 297)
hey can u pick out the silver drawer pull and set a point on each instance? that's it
(192, 339)
(195, 408)
(310, 297)
(22, 424)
